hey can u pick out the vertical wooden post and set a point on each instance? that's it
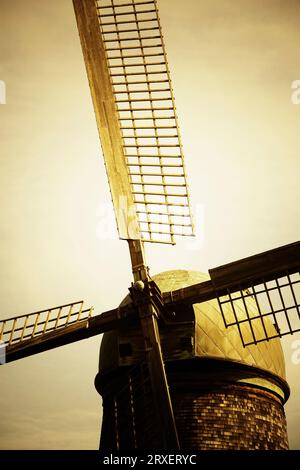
(150, 331)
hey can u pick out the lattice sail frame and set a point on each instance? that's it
(260, 295)
(266, 310)
(15, 330)
(140, 76)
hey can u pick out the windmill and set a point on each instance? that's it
(134, 106)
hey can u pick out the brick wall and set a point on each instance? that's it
(230, 417)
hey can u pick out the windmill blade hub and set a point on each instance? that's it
(139, 286)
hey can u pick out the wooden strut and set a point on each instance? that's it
(149, 326)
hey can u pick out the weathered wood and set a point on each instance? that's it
(140, 270)
(107, 118)
(265, 266)
(189, 295)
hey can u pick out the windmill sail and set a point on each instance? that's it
(134, 103)
(41, 331)
(259, 289)
(252, 291)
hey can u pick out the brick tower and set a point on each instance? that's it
(224, 396)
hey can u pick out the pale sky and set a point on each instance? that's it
(233, 63)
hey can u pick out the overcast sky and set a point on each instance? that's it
(233, 63)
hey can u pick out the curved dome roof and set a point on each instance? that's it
(213, 340)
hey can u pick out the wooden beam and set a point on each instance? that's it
(196, 293)
(106, 117)
(266, 266)
(139, 266)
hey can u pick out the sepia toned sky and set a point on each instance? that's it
(233, 63)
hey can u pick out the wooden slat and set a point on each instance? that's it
(143, 100)
(131, 31)
(109, 49)
(113, 23)
(156, 118)
(107, 120)
(131, 39)
(132, 74)
(149, 183)
(171, 214)
(158, 165)
(134, 64)
(170, 175)
(124, 13)
(103, 7)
